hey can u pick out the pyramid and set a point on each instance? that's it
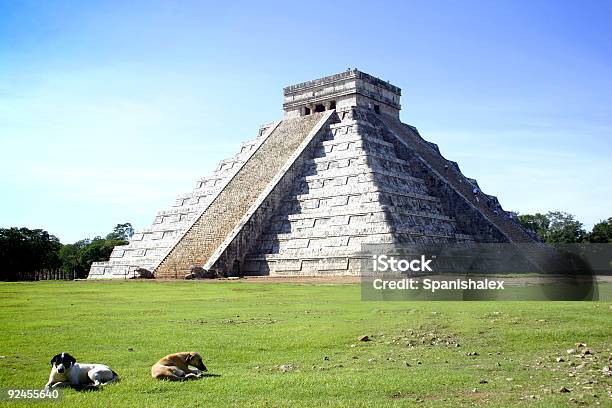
(340, 170)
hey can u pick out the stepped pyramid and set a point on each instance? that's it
(339, 171)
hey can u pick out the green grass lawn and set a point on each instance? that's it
(274, 344)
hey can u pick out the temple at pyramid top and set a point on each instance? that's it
(343, 90)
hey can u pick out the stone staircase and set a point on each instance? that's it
(149, 246)
(354, 190)
(212, 232)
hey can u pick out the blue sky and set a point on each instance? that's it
(108, 110)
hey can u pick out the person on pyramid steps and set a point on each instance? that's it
(476, 191)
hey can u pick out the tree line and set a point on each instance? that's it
(24, 253)
(558, 227)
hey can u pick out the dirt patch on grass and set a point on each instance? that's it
(581, 371)
(421, 336)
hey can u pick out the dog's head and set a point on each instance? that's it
(62, 362)
(194, 359)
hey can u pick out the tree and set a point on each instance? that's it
(537, 223)
(564, 228)
(554, 227)
(601, 233)
(70, 257)
(24, 251)
(121, 232)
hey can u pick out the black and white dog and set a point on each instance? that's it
(66, 372)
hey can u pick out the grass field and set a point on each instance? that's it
(275, 344)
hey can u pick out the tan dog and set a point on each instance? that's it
(175, 367)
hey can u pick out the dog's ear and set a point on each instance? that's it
(54, 359)
(188, 357)
(70, 359)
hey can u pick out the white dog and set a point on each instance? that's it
(66, 372)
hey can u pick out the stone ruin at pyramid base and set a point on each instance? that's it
(339, 171)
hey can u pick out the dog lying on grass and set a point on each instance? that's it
(66, 372)
(175, 367)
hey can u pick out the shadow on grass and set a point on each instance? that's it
(209, 375)
(86, 387)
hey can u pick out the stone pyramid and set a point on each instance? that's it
(339, 171)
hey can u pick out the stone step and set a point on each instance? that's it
(283, 225)
(344, 187)
(372, 171)
(341, 150)
(353, 247)
(360, 155)
(330, 181)
(282, 243)
(182, 211)
(355, 138)
(347, 230)
(364, 189)
(374, 209)
(307, 266)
